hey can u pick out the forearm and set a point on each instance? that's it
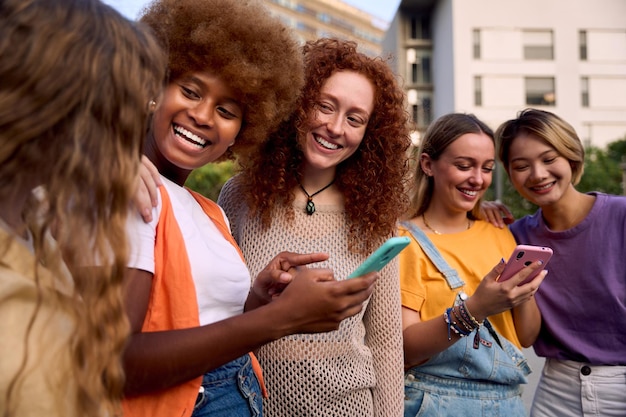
(527, 319)
(159, 360)
(425, 339)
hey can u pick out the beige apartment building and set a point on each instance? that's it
(496, 57)
(312, 19)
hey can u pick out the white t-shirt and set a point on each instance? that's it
(221, 278)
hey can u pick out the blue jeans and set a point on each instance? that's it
(231, 390)
(465, 380)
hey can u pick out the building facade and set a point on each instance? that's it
(313, 19)
(496, 57)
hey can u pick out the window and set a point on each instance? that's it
(419, 27)
(342, 24)
(323, 17)
(603, 45)
(300, 8)
(582, 40)
(419, 65)
(584, 90)
(538, 44)
(305, 28)
(476, 43)
(478, 91)
(540, 91)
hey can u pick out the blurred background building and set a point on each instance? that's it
(312, 19)
(494, 58)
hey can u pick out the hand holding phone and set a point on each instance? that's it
(381, 256)
(523, 256)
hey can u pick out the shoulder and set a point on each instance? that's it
(231, 193)
(232, 185)
(486, 229)
(617, 202)
(609, 212)
(403, 229)
(527, 222)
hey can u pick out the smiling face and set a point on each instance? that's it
(337, 126)
(197, 119)
(537, 171)
(462, 173)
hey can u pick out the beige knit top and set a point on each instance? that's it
(354, 371)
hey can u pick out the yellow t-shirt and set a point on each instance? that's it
(472, 253)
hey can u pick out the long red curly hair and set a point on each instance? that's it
(373, 180)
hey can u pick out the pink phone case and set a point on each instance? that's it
(525, 255)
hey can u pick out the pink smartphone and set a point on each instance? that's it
(525, 255)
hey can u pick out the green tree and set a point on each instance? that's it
(510, 197)
(602, 173)
(617, 150)
(209, 179)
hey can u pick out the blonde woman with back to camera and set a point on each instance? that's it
(75, 81)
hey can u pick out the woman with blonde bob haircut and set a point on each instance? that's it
(75, 81)
(582, 302)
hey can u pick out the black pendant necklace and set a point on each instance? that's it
(310, 205)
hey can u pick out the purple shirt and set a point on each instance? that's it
(583, 297)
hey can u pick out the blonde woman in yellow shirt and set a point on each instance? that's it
(463, 329)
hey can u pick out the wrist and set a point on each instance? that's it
(474, 311)
(253, 301)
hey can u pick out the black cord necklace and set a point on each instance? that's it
(310, 205)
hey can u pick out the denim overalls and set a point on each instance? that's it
(480, 375)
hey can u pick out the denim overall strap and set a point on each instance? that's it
(452, 277)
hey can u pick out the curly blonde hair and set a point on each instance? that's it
(372, 180)
(241, 43)
(75, 81)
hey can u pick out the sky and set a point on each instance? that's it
(383, 9)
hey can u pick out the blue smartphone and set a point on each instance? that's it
(381, 256)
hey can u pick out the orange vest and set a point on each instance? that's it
(173, 305)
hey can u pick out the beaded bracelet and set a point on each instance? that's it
(468, 316)
(453, 325)
(460, 319)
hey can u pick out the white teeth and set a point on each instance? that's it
(325, 143)
(193, 138)
(470, 193)
(543, 187)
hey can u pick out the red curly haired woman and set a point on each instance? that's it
(332, 179)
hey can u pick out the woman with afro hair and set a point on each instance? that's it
(332, 178)
(193, 315)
